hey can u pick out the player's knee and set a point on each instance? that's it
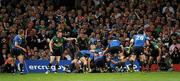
(85, 62)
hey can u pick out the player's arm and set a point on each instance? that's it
(69, 39)
(147, 42)
(77, 44)
(106, 49)
(18, 46)
(50, 45)
(92, 51)
(131, 42)
(122, 48)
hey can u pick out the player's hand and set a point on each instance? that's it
(104, 52)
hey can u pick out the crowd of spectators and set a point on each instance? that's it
(97, 19)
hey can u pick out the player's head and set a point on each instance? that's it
(140, 32)
(98, 43)
(59, 33)
(114, 37)
(83, 36)
(92, 47)
(21, 32)
(127, 42)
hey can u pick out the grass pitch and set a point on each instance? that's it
(146, 76)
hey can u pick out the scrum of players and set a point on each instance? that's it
(93, 58)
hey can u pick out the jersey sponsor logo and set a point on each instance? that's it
(58, 44)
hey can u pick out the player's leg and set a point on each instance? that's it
(89, 61)
(21, 63)
(100, 63)
(158, 58)
(13, 61)
(84, 61)
(73, 66)
(89, 64)
(116, 52)
(122, 61)
(50, 63)
(13, 65)
(155, 56)
(95, 60)
(150, 61)
(57, 62)
(142, 62)
(78, 66)
(133, 58)
(146, 62)
(76, 63)
(121, 55)
(147, 57)
(141, 57)
(108, 61)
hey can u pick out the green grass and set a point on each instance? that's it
(152, 76)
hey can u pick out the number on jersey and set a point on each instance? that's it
(140, 38)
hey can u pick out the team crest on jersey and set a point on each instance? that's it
(58, 44)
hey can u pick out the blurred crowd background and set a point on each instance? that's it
(96, 19)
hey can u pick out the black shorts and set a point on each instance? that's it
(127, 54)
(155, 53)
(57, 52)
(16, 52)
(138, 50)
(114, 50)
(100, 62)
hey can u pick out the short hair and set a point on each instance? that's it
(21, 31)
(140, 32)
(59, 31)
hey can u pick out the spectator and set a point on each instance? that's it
(97, 20)
(175, 56)
(42, 39)
(8, 63)
(31, 40)
(168, 8)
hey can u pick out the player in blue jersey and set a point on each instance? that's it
(137, 43)
(80, 61)
(99, 58)
(114, 46)
(115, 49)
(18, 49)
(84, 58)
